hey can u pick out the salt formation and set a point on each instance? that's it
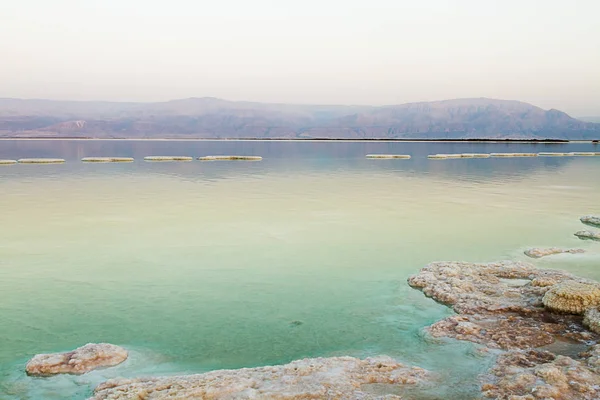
(539, 252)
(534, 374)
(389, 156)
(316, 378)
(41, 160)
(79, 361)
(572, 297)
(168, 158)
(588, 235)
(107, 159)
(225, 158)
(591, 220)
(516, 307)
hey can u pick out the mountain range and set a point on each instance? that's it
(209, 117)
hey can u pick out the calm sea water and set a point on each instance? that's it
(206, 265)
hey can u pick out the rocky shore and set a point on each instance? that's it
(522, 310)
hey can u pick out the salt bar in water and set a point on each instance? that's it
(389, 156)
(41, 160)
(223, 158)
(168, 158)
(475, 155)
(553, 154)
(106, 159)
(7, 162)
(513, 154)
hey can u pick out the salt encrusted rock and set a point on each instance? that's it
(591, 220)
(79, 361)
(534, 374)
(591, 319)
(500, 303)
(588, 235)
(317, 378)
(539, 252)
(572, 297)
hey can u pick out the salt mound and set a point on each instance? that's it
(572, 297)
(585, 235)
(79, 361)
(590, 220)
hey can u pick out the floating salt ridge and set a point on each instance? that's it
(389, 156)
(41, 161)
(106, 159)
(168, 158)
(225, 158)
(513, 154)
(8, 162)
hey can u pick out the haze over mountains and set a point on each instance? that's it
(215, 118)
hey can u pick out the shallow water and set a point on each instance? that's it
(197, 266)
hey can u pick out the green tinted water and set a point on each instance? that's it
(203, 266)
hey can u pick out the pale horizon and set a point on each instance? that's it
(347, 53)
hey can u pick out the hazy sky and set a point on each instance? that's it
(546, 52)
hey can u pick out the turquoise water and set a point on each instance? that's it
(199, 266)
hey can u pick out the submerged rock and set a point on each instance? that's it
(533, 374)
(572, 297)
(495, 312)
(79, 361)
(588, 235)
(316, 378)
(591, 220)
(539, 252)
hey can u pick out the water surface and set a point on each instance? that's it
(197, 266)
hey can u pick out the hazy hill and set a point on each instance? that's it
(216, 118)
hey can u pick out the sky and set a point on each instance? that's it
(311, 51)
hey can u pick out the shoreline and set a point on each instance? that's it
(480, 140)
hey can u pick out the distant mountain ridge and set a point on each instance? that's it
(209, 117)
